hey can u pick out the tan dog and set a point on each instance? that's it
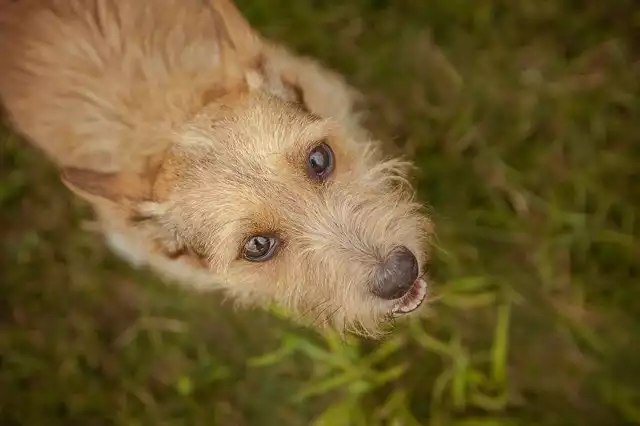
(216, 157)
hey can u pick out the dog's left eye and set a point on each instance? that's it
(259, 248)
(321, 162)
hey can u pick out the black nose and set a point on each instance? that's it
(396, 275)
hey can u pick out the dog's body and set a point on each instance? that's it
(214, 156)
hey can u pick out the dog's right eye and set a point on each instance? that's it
(260, 248)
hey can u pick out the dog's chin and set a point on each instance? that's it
(412, 300)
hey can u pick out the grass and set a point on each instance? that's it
(523, 117)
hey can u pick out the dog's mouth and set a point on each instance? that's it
(412, 299)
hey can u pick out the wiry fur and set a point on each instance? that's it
(188, 132)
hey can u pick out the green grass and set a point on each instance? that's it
(524, 119)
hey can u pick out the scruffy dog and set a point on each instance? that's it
(216, 157)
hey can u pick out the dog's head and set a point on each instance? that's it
(273, 189)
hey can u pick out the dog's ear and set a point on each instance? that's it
(134, 195)
(264, 66)
(234, 31)
(239, 46)
(116, 188)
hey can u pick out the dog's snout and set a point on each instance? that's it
(397, 274)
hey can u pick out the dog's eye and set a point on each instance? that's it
(260, 248)
(321, 162)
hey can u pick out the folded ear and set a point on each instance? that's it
(234, 31)
(95, 186)
(265, 66)
(133, 194)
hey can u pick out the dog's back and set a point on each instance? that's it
(100, 83)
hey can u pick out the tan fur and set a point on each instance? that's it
(188, 132)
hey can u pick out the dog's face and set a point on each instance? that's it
(281, 200)
(283, 206)
(280, 205)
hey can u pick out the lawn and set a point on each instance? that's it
(524, 119)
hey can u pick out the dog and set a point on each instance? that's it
(217, 158)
